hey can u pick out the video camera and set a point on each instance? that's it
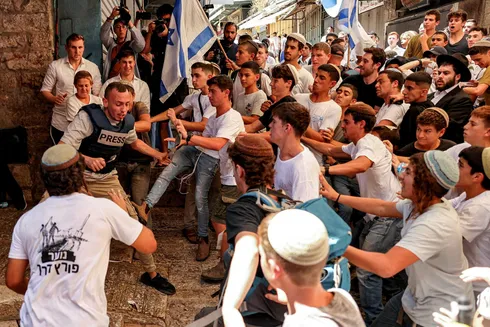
(124, 12)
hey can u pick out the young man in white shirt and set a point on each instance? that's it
(371, 164)
(320, 55)
(248, 104)
(393, 44)
(473, 207)
(65, 240)
(324, 112)
(292, 51)
(128, 64)
(296, 168)
(305, 58)
(58, 83)
(388, 85)
(204, 154)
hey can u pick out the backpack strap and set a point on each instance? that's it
(200, 105)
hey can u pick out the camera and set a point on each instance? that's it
(161, 25)
(143, 15)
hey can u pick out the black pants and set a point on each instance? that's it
(8, 185)
(55, 134)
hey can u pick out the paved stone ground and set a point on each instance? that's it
(175, 259)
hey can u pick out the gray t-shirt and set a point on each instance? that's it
(249, 104)
(341, 312)
(433, 281)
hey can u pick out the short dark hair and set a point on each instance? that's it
(127, 53)
(460, 13)
(223, 82)
(332, 34)
(473, 155)
(120, 87)
(357, 110)
(355, 93)
(294, 114)
(337, 41)
(444, 35)
(83, 74)
(283, 71)
(477, 49)
(387, 133)
(259, 171)
(74, 37)
(249, 45)
(432, 118)
(332, 71)
(300, 45)
(394, 76)
(434, 12)
(204, 66)
(66, 181)
(121, 21)
(420, 78)
(379, 56)
(228, 24)
(252, 65)
(164, 9)
(483, 30)
(244, 38)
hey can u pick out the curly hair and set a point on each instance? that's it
(66, 181)
(432, 118)
(259, 171)
(425, 186)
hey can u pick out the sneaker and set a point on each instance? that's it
(142, 211)
(215, 274)
(203, 249)
(191, 235)
(159, 283)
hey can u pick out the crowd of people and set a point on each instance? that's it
(396, 140)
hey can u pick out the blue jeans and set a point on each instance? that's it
(346, 186)
(390, 317)
(378, 235)
(184, 160)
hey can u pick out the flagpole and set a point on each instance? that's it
(348, 56)
(217, 38)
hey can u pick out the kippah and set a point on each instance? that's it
(442, 112)
(59, 157)
(485, 159)
(215, 65)
(362, 108)
(254, 146)
(294, 71)
(298, 37)
(254, 44)
(442, 167)
(298, 237)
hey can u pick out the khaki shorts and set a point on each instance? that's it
(229, 195)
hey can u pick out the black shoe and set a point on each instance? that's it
(159, 283)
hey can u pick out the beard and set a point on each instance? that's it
(446, 86)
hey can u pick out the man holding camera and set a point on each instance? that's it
(115, 46)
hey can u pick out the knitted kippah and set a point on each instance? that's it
(254, 146)
(59, 157)
(298, 237)
(442, 112)
(444, 168)
(485, 158)
(362, 108)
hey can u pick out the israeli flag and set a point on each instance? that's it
(190, 36)
(348, 22)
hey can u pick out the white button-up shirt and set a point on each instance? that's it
(59, 80)
(438, 95)
(141, 89)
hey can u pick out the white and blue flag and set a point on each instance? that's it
(348, 22)
(190, 36)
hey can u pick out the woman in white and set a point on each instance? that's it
(83, 83)
(430, 249)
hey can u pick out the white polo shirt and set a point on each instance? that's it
(59, 79)
(141, 89)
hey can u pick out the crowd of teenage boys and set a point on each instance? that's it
(396, 140)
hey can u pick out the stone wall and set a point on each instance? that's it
(26, 49)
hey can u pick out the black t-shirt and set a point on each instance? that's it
(367, 93)
(410, 149)
(408, 126)
(266, 118)
(459, 47)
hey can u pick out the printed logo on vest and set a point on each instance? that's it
(112, 138)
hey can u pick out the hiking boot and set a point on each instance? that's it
(215, 274)
(142, 211)
(159, 283)
(203, 249)
(191, 235)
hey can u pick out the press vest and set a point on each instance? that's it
(106, 140)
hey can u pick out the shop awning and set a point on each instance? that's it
(269, 15)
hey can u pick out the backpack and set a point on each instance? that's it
(336, 272)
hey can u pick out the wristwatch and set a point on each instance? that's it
(188, 138)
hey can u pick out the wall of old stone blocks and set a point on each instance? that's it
(26, 49)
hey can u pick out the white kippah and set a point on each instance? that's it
(298, 237)
(294, 71)
(59, 157)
